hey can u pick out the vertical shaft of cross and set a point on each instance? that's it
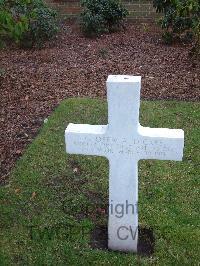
(123, 110)
(123, 199)
(123, 118)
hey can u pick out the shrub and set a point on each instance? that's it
(27, 22)
(100, 16)
(181, 19)
(11, 27)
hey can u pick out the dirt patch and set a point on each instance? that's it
(146, 240)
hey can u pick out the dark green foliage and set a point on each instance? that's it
(167, 37)
(181, 19)
(26, 22)
(100, 16)
(11, 24)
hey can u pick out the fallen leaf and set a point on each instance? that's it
(33, 195)
(102, 211)
(17, 190)
(75, 170)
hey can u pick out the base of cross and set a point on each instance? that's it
(123, 238)
(124, 142)
(145, 246)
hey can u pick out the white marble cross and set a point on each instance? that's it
(124, 142)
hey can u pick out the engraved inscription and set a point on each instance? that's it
(105, 145)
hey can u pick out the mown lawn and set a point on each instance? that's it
(54, 200)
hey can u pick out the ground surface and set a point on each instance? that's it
(34, 82)
(54, 200)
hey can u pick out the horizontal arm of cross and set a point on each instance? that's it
(85, 139)
(161, 143)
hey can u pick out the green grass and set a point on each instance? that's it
(51, 190)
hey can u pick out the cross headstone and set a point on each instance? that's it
(124, 142)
